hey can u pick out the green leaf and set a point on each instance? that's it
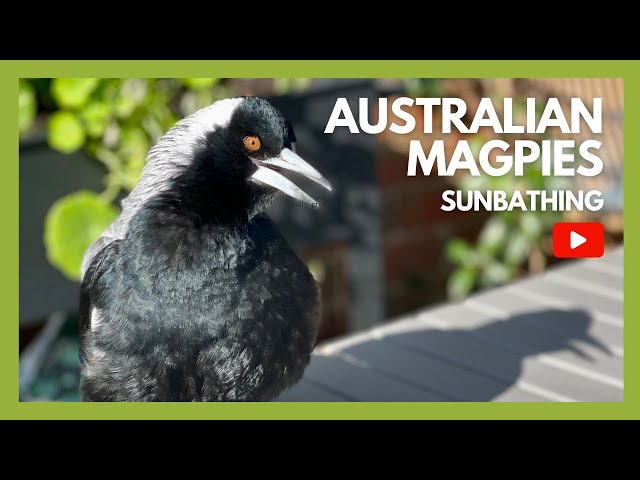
(124, 106)
(469, 182)
(133, 93)
(65, 132)
(461, 283)
(73, 93)
(517, 249)
(531, 224)
(493, 234)
(199, 83)
(458, 251)
(496, 274)
(134, 147)
(476, 143)
(480, 257)
(72, 224)
(95, 117)
(26, 105)
(423, 87)
(189, 103)
(282, 86)
(533, 176)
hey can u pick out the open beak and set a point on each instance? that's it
(287, 160)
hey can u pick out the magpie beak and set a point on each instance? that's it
(267, 174)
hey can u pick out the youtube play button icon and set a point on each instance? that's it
(575, 240)
(578, 239)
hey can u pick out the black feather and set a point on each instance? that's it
(201, 300)
(237, 321)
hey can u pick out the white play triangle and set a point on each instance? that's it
(575, 240)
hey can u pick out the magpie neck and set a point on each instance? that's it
(182, 231)
(210, 198)
(212, 204)
(213, 187)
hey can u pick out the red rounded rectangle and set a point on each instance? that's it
(578, 239)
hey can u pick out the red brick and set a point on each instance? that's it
(421, 207)
(416, 206)
(391, 169)
(393, 155)
(416, 269)
(404, 257)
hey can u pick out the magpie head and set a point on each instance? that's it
(236, 151)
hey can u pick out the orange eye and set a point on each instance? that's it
(252, 143)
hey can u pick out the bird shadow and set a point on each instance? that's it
(419, 360)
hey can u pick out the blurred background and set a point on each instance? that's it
(380, 246)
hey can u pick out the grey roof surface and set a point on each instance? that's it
(552, 337)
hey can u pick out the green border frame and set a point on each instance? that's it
(10, 407)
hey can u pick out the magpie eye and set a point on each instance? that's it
(252, 143)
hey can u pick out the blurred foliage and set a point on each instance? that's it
(26, 105)
(423, 87)
(66, 133)
(508, 239)
(114, 121)
(72, 224)
(281, 86)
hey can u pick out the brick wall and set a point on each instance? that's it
(414, 228)
(414, 232)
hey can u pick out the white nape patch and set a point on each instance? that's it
(165, 160)
(96, 317)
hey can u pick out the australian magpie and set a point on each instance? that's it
(192, 294)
